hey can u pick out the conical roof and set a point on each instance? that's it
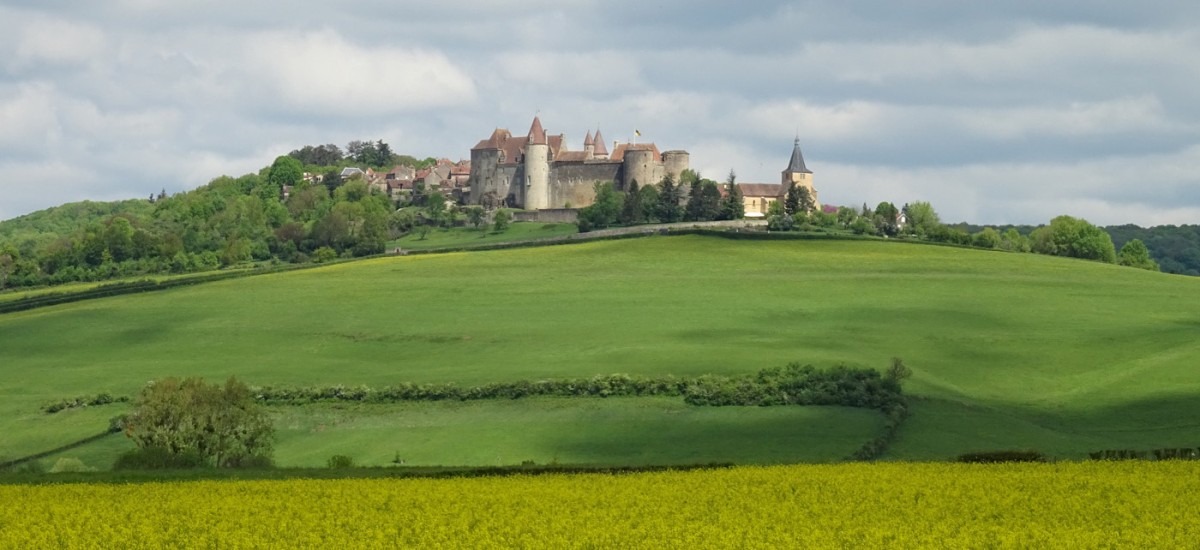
(598, 142)
(797, 164)
(588, 140)
(537, 136)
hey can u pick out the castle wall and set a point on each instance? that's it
(574, 183)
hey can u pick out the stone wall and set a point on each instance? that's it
(574, 183)
(549, 215)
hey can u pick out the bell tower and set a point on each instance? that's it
(799, 174)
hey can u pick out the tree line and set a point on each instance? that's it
(223, 223)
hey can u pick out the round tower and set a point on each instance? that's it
(639, 165)
(675, 162)
(537, 168)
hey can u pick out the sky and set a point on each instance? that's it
(994, 112)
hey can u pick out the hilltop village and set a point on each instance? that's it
(540, 171)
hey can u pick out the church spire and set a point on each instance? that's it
(797, 166)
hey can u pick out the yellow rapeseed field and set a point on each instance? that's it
(1064, 505)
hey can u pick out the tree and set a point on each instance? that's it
(500, 222)
(693, 211)
(732, 206)
(285, 171)
(222, 425)
(1135, 254)
(887, 221)
(791, 199)
(1014, 241)
(649, 202)
(8, 263)
(632, 212)
(987, 237)
(1075, 238)
(475, 216)
(922, 218)
(605, 211)
(804, 200)
(778, 218)
(669, 197)
(435, 209)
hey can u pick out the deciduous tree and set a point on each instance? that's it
(219, 423)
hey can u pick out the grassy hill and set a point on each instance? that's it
(1009, 350)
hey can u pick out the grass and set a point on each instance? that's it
(469, 236)
(1009, 350)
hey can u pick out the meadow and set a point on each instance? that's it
(1008, 350)
(466, 237)
(1064, 505)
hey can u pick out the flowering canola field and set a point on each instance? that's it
(1065, 505)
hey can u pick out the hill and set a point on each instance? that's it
(1009, 350)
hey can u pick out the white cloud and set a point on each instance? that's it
(321, 71)
(47, 40)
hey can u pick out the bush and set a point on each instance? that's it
(70, 465)
(338, 462)
(991, 457)
(154, 458)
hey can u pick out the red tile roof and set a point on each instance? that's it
(537, 136)
(600, 149)
(761, 189)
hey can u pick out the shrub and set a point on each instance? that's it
(69, 465)
(154, 458)
(337, 462)
(990, 457)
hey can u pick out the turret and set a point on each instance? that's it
(589, 146)
(537, 168)
(599, 150)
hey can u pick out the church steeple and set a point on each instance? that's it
(796, 166)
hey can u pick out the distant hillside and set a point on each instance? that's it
(60, 221)
(1176, 248)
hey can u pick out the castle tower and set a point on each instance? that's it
(589, 146)
(799, 174)
(537, 168)
(599, 150)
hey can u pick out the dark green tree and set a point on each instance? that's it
(669, 209)
(732, 206)
(632, 211)
(887, 219)
(791, 199)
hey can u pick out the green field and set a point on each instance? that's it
(465, 237)
(1009, 350)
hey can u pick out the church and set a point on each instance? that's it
(538, 171)
(758, 197)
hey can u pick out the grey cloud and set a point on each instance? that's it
(1004, 112)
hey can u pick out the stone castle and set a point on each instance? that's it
(537, 171)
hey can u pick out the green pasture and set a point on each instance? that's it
(456, 237)
(1008, 350)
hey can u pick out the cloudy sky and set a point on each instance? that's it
(996, 112)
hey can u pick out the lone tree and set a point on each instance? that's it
(1135, 254)
(219, 424)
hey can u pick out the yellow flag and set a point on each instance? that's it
(637, 133)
